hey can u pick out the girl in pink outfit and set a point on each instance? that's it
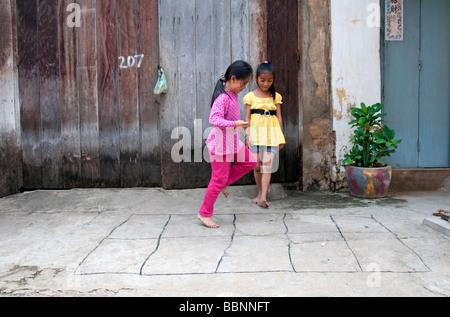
(223, 143)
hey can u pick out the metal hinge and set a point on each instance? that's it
(420, 66)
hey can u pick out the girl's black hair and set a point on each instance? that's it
(239, 69)
(267, 67)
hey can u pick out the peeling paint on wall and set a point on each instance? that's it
(316, 95)
(356, 74)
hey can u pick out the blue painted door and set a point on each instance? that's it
(417, 85)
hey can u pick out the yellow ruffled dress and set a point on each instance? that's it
(265, 130)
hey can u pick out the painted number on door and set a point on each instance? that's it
(131, 61)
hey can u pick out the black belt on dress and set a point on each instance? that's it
(267, 113)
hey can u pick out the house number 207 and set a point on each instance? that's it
(131, 61)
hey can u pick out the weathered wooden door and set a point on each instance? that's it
(283, 53)
(416, 85)
(88, 114)
(198, 41)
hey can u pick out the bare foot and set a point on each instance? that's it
(263, 204)
(225, 192)
(256, 200)
(208, 222)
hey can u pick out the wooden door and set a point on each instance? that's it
(283, 53)
(434, 95)
(89, 117)
(88, 114)
(198, 41)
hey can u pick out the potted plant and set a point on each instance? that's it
(366, 174)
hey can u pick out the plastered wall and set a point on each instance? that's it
(356, 74)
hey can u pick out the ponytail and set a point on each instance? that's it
(218, 90)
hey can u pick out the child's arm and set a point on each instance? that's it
(248, 115)
(217, 116)
(279, 116)
(280, 121)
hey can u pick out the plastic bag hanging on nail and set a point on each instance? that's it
(161, 85)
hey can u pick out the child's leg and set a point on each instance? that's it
(219, 178)
(245, 162)
(225, 192)
(258, 175)
(266, 171)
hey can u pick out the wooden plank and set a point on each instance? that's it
(49, 93)
(9, 151)
(29, 93)
(186, 87)
(240, 45)
(240, 41)
(109, 121)
(258, 34)
(129, 135)
(148, 102)
(289, 170)
(5, 38)
(169, 23)
(222, 47)
(16, 92)
(70, 118)
(222, 26)
(283, 32)
(205, 83)
(88, 95)
(239, 30)
(204, 60)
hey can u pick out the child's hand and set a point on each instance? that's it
(241, 124)
(248, 141)
(281, 147)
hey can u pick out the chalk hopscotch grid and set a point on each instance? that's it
(157, 258)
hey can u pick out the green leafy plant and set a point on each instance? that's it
(372, 140)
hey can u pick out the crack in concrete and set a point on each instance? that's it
(401, 241)
(100, 243)
(290, 243)
(157, 245)
(346, 242)
(230, 245)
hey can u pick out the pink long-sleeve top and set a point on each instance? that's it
(224, 139)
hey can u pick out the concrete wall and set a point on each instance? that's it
(316, 116)
(356, 74)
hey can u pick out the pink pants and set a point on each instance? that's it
(223, 176)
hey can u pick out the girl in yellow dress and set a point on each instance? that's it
(265, 135)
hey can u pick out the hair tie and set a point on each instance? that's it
(266, 62)
(222, 78)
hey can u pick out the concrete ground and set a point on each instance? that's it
(148, 242)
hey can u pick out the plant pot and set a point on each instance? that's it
(368, 182)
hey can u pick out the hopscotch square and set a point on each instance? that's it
(118, 256)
